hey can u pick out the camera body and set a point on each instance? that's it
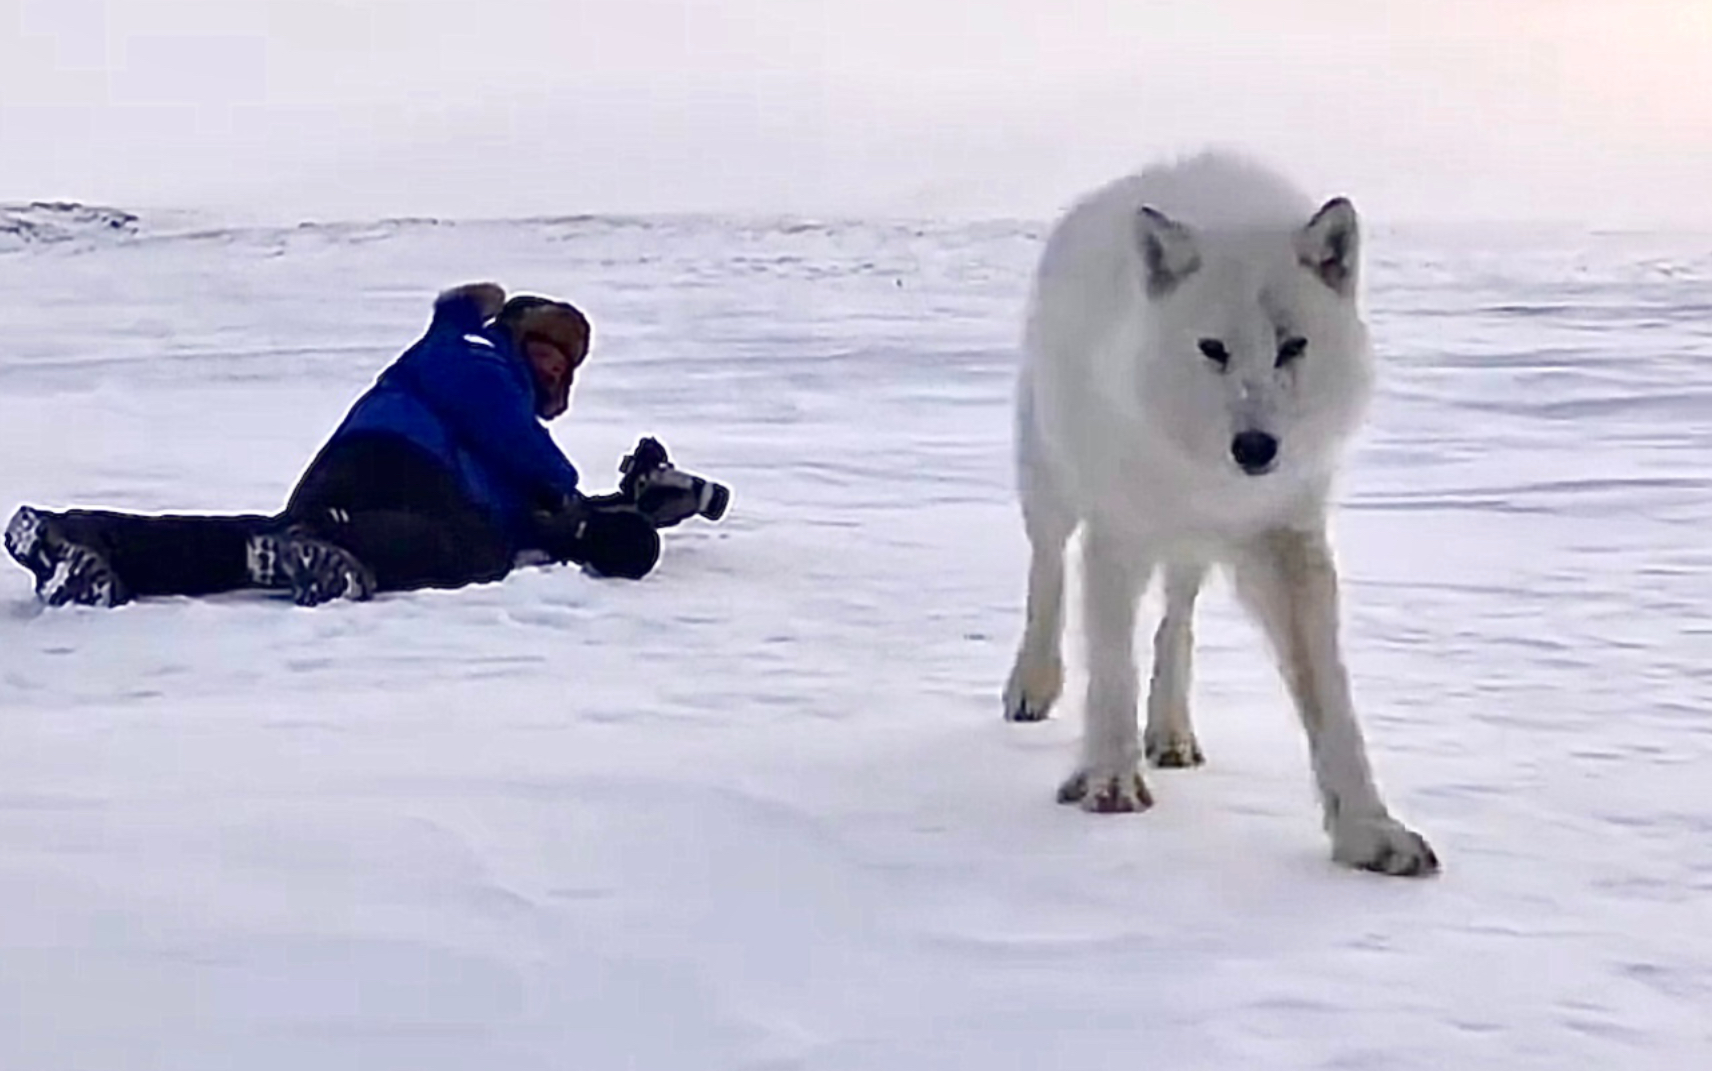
(666, 494)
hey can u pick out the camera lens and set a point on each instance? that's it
(718, 497)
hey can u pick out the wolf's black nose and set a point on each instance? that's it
(1254, 451)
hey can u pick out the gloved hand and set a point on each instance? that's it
(489, 298)
(561, 523)
(612, 539)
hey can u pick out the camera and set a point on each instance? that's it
(665, 494)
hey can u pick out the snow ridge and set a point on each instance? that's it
(54, 222)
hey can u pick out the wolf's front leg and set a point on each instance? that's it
(1114, 571)
(1289, 580)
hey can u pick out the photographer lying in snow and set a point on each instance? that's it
(441, 475)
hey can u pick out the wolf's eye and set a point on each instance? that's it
(1215, 351)
(1290, 349)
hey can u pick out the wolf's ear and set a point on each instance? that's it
(1168, 250)
(1329, 245)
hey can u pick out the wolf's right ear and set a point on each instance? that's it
(1329, 245)
(1168, 250)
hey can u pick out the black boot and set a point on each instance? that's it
(315, 570)
(66, 572)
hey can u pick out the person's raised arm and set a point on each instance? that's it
(467, 307)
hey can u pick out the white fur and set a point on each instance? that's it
(1125, 430)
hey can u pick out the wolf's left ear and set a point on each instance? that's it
(1168, 250)
(1329, 245)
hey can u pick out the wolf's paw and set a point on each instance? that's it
(1034, 686)
(1173, 751)
(1106, 793)
(1383, 845)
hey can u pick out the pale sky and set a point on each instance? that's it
(1580, 110)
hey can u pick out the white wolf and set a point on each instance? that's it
(1195, 360)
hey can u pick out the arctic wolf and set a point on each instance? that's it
(1195, 360)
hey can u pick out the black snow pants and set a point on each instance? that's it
(379, 497)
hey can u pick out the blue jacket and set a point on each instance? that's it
(466, 396)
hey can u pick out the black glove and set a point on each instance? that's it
(560, 525)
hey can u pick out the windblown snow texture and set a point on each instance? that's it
(759, 811)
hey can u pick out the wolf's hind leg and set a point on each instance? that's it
(1037, 677)
(1170, 737)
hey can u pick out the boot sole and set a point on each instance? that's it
(316, 572)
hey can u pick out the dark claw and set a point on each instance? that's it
(1074, 789)
(1113, 800)
(1177, 756)
(1109, 799)
(1394, 864)
(1026, 714)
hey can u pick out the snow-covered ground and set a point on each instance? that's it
(760, 810)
